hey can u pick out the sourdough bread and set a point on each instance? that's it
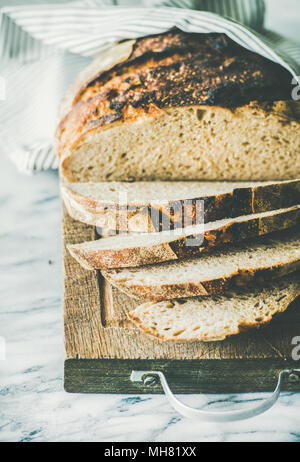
(181, 106)
(257, 261)
(130, 250)
(155, 206)
(218, 317)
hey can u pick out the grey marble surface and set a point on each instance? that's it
(33, 406)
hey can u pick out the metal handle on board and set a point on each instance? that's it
(150, 378)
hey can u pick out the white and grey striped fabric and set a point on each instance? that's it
(87, 26)
(44, 47)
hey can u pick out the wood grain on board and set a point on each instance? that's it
(102, 347)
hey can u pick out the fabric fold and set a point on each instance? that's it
(44, 47)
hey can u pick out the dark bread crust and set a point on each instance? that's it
(235, 232)
(249, 278)
(177, 249)
(241, 201)
(282, 304)
(174, 69)
(156, 47)
(239, 278)
(149, 217)
(208, 69)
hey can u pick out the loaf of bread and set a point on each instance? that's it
(180, 106)
(213, 273)
(147, 206)
(215, 318)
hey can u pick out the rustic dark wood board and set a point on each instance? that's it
(102, 348)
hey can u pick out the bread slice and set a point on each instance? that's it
(218, 317)
(213, 273)
(155, 206)
(180, 106)
(131, 250)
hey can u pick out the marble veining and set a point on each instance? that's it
(33, 406)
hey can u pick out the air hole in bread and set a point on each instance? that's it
(200, 114)
(280, 298)
(178, 332)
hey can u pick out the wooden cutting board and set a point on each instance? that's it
(102, 347)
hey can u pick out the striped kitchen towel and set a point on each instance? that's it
(44, 47)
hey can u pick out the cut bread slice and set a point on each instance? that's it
(218, 317)
(214, 273)
(134, 207)
(131, 250)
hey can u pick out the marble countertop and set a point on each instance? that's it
(33, 405)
